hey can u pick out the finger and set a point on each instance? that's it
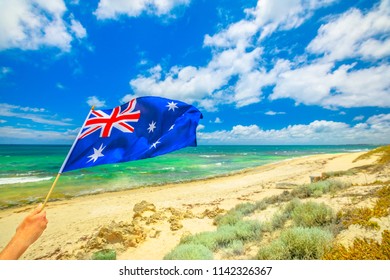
(37, 209)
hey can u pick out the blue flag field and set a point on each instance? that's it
(144, 127)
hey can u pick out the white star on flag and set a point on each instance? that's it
(172, 106)
(97, 153)
(154, 145)
(171, 127)
(152, 126)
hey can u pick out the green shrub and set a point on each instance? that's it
(245, 208)
(248, 230)
(225, 235)
(297, 243)
(312, 214)
(318, 188)
(278, 220)
(206, 239)
(277, 250)
(236, 248)
(306, 243)
(230, 218)
(241, 231)
(289, 208)
(190, 252)
(106, 254)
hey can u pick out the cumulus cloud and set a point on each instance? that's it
(95, 101)
(113, 9)
(321, 84)
(236, 73)
(375, 130)
(264, 19)
(32, 24)
(355, 34)
(236, 56)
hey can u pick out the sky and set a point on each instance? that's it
(261, 72)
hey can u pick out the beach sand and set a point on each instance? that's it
(146, 223)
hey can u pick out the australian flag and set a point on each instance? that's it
(143, 128)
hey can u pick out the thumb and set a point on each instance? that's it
(37, 209)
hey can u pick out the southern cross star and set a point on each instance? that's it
(97, 153)
(172, 106)
(154, 145)
(152, 126)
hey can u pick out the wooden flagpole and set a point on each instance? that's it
(51, 190)
(66, 159)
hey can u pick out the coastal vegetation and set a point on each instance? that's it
(303, 228)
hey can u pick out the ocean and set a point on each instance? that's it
(28, 171)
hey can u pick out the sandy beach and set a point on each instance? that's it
(157, 217)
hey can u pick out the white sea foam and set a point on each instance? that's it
(211, 156)
(21, 180)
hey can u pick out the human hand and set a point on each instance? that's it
(30, 229)
(32, 226)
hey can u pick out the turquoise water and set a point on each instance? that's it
(27, 171)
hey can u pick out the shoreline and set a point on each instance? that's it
(73, 221)
(154, 185)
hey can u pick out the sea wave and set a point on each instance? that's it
(211, 156)
(21, 180)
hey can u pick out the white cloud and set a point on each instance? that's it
(32, 24)
(113, 9)
(127, 98)
(12, 134)
(358, 118)
(37, 115)
(273, 113)
(354, 34)
(95, 101)
(267, 17)
(78, 30)
(235, 57)
(375, 130)
(217, 120)
(321, 84)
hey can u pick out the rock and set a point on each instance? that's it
(142, 207)
(211, 213)
(155, 218)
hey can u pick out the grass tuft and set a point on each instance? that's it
(106, 254)
(190, 252)
(383, 152)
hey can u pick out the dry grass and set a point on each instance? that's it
(362, 249)
(383, 153)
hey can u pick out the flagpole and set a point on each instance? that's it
(63, 164)
(51, 190)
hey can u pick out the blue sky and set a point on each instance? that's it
(261, 72)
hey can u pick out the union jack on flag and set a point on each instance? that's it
(142, 128)
(119, 119)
